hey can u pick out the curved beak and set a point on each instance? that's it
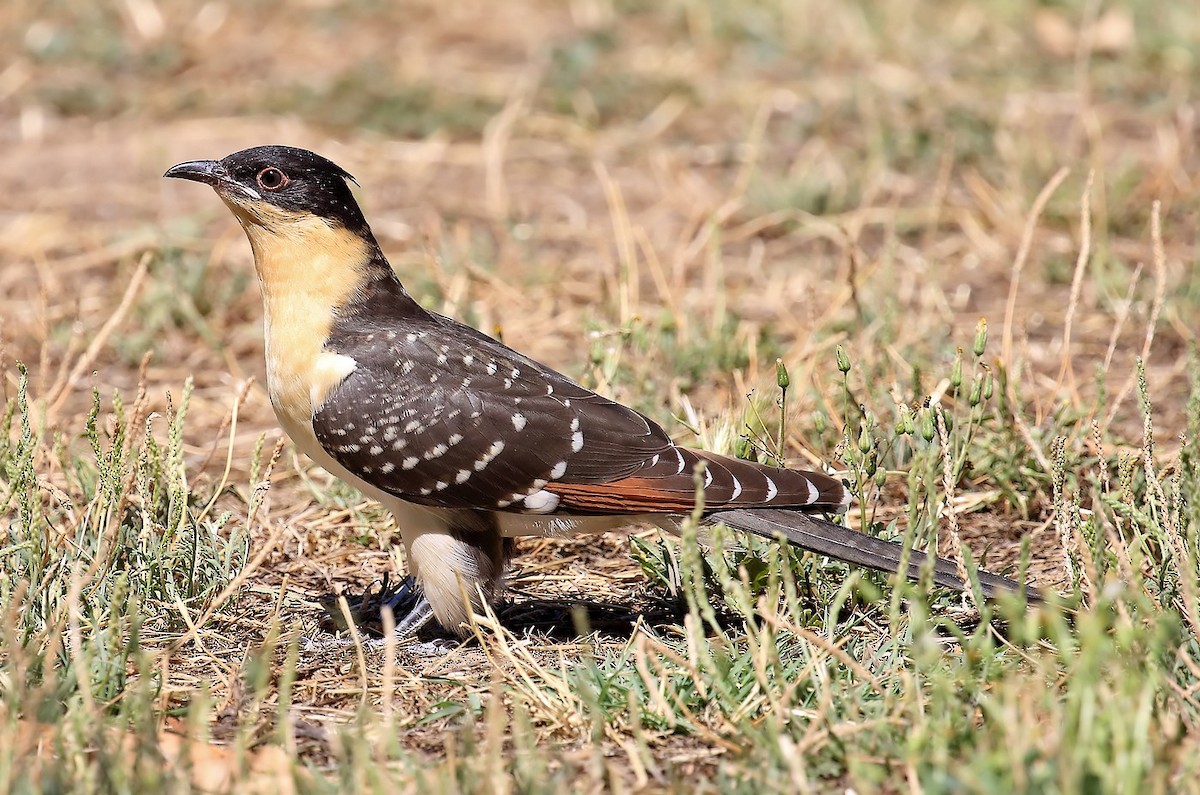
(210, 172)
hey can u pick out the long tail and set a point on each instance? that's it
(825, 538)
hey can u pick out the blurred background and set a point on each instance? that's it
(733, 180)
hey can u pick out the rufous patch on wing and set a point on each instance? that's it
(630, 495)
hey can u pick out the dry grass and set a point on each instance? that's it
(660, 199)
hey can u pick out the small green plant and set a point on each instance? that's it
(112, 551)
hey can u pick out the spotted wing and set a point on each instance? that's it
(449, 417)
(461, 421)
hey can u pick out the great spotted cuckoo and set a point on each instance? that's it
(466, 441)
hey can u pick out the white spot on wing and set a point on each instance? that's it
(737, 487)
(409, 462)
(577, 441)
(490, 454)
(772, 489)
(462, 476)
(518, 421)
(541, 502)
(559, 470)
(845, 503)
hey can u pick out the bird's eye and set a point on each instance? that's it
(272, 179)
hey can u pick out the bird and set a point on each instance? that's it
(467, 442)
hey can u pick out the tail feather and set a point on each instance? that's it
(825, 538)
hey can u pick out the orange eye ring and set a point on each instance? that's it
(271, 178)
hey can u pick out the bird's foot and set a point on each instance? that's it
(410, 609)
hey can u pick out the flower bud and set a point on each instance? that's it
(956, 370)
(881, 477)
(927, 429)
(865, 442)
(781, 375)
(980, 337)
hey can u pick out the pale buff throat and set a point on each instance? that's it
(307, 268)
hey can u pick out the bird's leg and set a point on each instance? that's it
(456, 563)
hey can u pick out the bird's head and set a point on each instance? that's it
(304, 225)
(275, 187)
